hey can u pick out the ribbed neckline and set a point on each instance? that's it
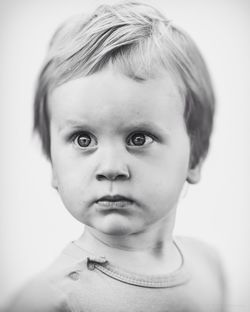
(175, 278)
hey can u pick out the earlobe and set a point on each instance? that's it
(194, 174)
(54, 181)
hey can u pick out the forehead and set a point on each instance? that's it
(110, 93)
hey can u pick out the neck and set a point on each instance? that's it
(146, 248)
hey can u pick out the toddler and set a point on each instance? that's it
(124, 109)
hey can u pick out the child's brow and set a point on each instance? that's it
(136, 125)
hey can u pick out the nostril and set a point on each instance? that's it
(100, 177)
(112, 176)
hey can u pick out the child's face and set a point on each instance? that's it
(111, 135)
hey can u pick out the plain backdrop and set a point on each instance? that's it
(34, 225)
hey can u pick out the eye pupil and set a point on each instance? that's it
(138, 139)
(83, 140)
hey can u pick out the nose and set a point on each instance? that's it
(112, 167)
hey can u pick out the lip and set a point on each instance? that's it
(113, 202)
(114, 198)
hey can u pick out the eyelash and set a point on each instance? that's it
(77, 135)
(148, 139)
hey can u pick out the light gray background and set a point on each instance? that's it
(34, 225)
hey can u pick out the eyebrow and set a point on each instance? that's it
(74, 123)
(128, 127)
(147, 126)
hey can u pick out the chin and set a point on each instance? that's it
(115, 225)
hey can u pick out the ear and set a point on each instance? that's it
(54, 182)
(194, 174)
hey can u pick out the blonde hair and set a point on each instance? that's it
(141, 42)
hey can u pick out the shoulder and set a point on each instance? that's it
(38, 295)
(200, 253)
(46, 291)
(206, 266)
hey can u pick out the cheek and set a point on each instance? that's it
(73, 194)
(69, 170)
(72, 182)
(164, 177)
(167, 169)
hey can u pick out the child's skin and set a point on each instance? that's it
(134, 144)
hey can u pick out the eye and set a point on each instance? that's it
(84, 140)
(139, 139)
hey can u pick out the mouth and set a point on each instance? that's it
(115, 202)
